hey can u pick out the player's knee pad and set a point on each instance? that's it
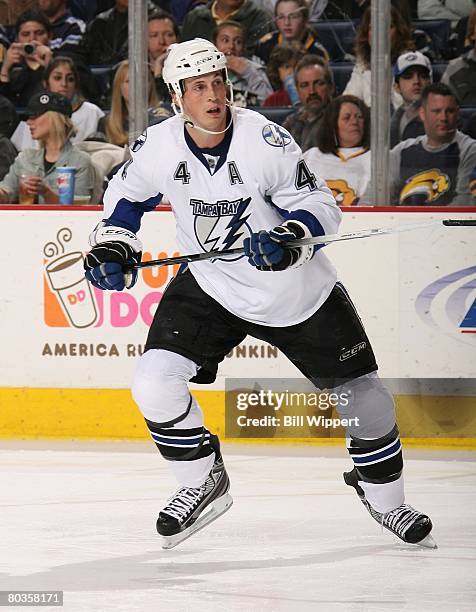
(173, 417)
(368, 405)
(160, 386)
(377, 461)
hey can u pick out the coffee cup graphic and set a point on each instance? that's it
(66, 276)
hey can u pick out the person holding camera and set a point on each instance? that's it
(22, 71)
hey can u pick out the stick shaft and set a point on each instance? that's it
(328, 239)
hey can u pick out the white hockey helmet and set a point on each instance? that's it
(190, 59)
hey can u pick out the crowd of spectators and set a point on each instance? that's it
(305, 64)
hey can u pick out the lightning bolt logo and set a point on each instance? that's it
(227, 229)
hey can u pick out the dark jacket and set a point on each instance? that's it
(105, 40)
(199, 23)
(412, 129)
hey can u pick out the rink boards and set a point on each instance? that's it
(68, 351)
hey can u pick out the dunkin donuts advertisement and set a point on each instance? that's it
(415, 292)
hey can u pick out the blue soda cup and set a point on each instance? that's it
(65, 176)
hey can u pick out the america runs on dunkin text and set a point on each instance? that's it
(235, 179)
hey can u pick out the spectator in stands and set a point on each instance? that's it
(66, 31)
(280, 72)
(315, 87)
(201, 21)
(115, 126)
(412, 73)
(444, 9)
(342, 152)
(62, 77)
(400, 40)
(180, 8)
(50, 123)
(23, 70)
(292, 20)
(434, 169)
(163, 31)
(105, 40)
(460, 74)
(249, 80)
(8, 154)
(472, 183)
(8, 117)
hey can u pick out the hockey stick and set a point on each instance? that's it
(366, 233)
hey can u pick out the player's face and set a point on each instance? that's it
(440, 116)
(61, 80)
(290, 20)
(204, 100)
(161, 36)
(230, 41)
(32, 30)
(412, 82)
(350, 125)
(313, 87)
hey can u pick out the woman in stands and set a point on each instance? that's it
(49, 119)
(401, 40)
(342, 154)
(62, 77)
(292, 20)
(115, 126)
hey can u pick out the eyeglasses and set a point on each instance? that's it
(294, 16)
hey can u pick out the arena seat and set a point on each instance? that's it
(439, 30)
(341, 72)
(438, 70)
(338, 37)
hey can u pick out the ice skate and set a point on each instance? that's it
(191, 509)
(410, 525)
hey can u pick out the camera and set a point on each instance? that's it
(28, 48)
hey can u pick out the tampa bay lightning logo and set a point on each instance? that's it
(221, 225)
(450, 302)
(275, 135)
(139, 142)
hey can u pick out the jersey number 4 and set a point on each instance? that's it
(182, 173)
(304, 177)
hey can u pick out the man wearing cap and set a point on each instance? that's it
(412, 73)
(49, 119)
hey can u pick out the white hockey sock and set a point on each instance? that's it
(384, 497)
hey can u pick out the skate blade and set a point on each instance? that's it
(427, 542)
(219, 507)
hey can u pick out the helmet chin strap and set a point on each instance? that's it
(188, 121)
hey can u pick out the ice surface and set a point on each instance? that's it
(296, 538)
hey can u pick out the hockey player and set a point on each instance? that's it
(233, 178)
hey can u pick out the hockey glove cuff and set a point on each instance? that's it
(114, 250)
(266, 251)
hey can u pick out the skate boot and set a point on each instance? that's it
(408, 524)
(191, 509)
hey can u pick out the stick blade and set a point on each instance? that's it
(459, 222)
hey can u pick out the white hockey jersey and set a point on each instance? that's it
(254, 180)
